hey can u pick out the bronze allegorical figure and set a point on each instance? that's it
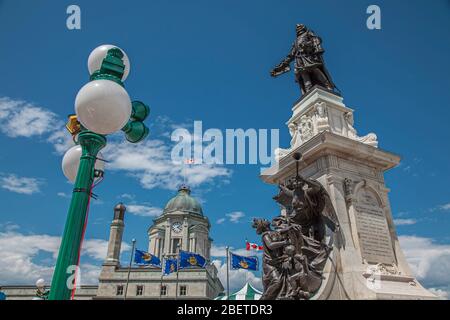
(295, 250)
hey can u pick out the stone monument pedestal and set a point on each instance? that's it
(371, 264)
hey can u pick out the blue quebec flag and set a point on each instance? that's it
(190, 259)
(146, 259)
(241, 262)
(170, 265)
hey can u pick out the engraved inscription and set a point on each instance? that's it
(374, 237)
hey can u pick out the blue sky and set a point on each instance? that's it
(210, 61)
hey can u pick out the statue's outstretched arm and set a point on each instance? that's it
(283, 66)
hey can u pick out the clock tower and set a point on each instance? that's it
(182, 224)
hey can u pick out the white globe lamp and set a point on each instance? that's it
(103, 106)
(71, 162)
(40, 283)
(98, 54)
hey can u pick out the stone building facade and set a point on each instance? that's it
(181, 225)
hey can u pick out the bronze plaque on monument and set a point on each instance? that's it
(374, 237)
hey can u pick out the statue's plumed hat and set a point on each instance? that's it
(300, 27)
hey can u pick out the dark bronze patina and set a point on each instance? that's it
(309, 67)
(295, 248)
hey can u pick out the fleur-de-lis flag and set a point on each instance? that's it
(190, 259)
(241, 262)
(144, 258)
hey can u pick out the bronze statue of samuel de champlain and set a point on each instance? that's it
(309, 68)
(297, 243)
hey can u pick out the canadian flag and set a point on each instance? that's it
(253, 246)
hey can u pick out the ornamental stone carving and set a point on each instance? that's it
(321, 111)
(321, 122)
(382, 269)
(306, 128)
(370, 139)
(348, 189)
(295, 135)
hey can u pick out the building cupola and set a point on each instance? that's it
(183, 202)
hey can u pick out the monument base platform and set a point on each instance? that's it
(371, 264)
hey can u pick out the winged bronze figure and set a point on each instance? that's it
(295, 250)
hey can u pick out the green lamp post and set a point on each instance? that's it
(102, 107)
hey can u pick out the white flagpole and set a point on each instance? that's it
(228, 276)
(162, 274)
(178, 268)
(246, 276)
(129, 268)
(184, 172)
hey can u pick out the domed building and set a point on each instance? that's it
(181, 226)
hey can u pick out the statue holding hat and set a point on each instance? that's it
(309, 66)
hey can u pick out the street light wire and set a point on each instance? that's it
(104, 160)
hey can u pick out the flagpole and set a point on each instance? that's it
(129, 268)
(247, 247)
(162, 274)
(228, 277)
(178, 269)
(183, 169)
(246, 276)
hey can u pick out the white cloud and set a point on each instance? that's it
(17, 265)
(236, 216)
(61, 140)
(22, 119)
(63, 195)
(237, 278)
(440, 293)
(233, 217)
(429, 262)
(404, 222)
(218, 251)
(9, 226)
(20, 263)
(127, 196)
(89, 274)
(144, 211)
(402, 214)
(151, 164)
(22, 185)
(97, 248)
(443, 207)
